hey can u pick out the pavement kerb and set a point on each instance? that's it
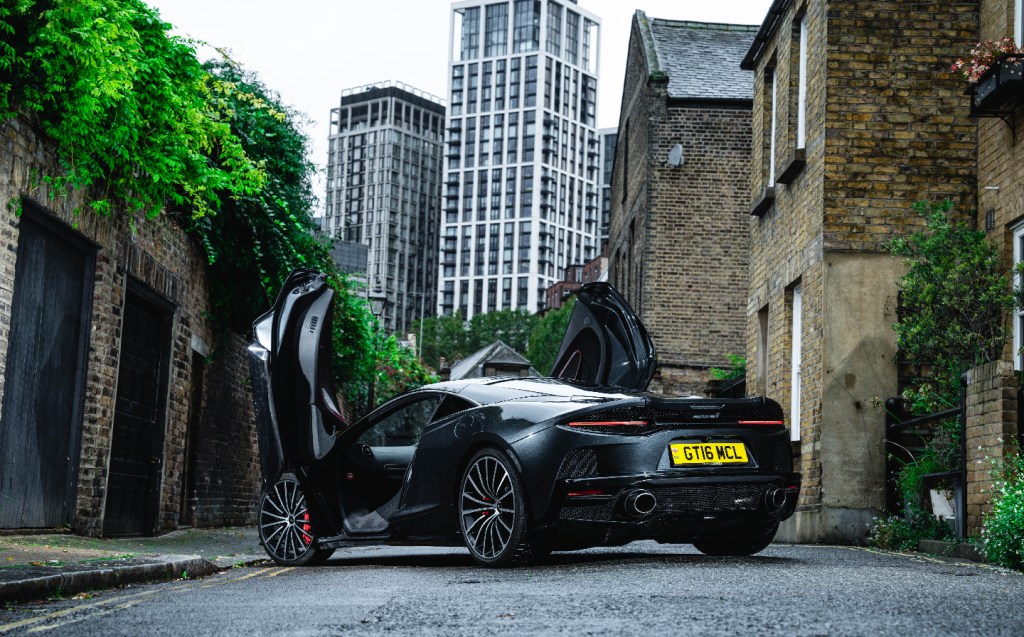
(164, 568)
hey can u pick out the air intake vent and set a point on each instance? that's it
(579, 463)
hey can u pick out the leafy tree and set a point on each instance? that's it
(511, 326)
(453, 338)
(443, 336)
(956, 301)
(955, 296)
(547, 335)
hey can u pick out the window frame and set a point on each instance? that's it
(796, 360)
(1018, 313)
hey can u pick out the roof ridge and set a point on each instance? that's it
(716, 26)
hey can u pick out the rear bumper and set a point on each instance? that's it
(683, 508)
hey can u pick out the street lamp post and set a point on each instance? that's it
(378, 300)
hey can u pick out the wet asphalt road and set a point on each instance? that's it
(641, 589)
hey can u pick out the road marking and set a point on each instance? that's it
(283, 570)
(126, 601)
(74, 609)
(94, 615)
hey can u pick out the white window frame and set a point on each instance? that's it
(797, 362)
(1018, 314)
(1018, 21)
(771, 131)
(801, 108)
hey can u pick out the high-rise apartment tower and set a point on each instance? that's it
(384, 190)
(521, 199)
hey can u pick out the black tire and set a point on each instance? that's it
(286, 531)
(740, 542)
(492, 511)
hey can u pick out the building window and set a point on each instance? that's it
(589, 36)
(572, 37)
(526, 28)
(801, 87)
(496, 39)
(772, 125)
(796, 362)
(1018, 314)
(471, 33)
(762, 352)
(554, 45)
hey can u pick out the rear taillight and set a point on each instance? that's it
(761, 422)
(608, 423)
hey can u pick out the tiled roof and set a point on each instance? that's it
(700, 59)
(497, 353)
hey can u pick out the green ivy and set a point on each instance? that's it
(257, 238)
(132, 112)
(144, 127)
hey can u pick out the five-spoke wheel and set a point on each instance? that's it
(286, 531)
(492, 511)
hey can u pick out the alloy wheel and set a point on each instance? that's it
(488, 508)
(285, 529)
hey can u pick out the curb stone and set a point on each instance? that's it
(74, 582)
(952, 549)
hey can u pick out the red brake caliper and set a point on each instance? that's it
(306, 529)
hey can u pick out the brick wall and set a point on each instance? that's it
(886, 125)
(991, 430)
(1000, 154)
(695, 265)
(226, 475)
(630, 175)
(161, 258)
(891, 95)
(678, 245)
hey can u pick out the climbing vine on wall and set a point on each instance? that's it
(146, 128)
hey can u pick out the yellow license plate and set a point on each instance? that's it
(708, 453)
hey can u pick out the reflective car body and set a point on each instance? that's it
(511, 467)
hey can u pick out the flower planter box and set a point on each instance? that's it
(1002, 83)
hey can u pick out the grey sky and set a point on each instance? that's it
(309, 50)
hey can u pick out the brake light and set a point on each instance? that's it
(761, 422)
(585, 493)
(608, 423)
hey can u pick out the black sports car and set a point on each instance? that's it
(512, 468)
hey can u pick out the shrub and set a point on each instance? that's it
(737, 368)
(1003, 531)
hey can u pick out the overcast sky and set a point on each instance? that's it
(310, 50)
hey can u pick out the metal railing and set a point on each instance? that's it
(900, 425)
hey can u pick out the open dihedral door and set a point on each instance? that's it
(296, 416)
(605, 343)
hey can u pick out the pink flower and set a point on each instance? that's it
(983, 56)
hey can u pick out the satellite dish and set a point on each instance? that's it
(675, 156)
